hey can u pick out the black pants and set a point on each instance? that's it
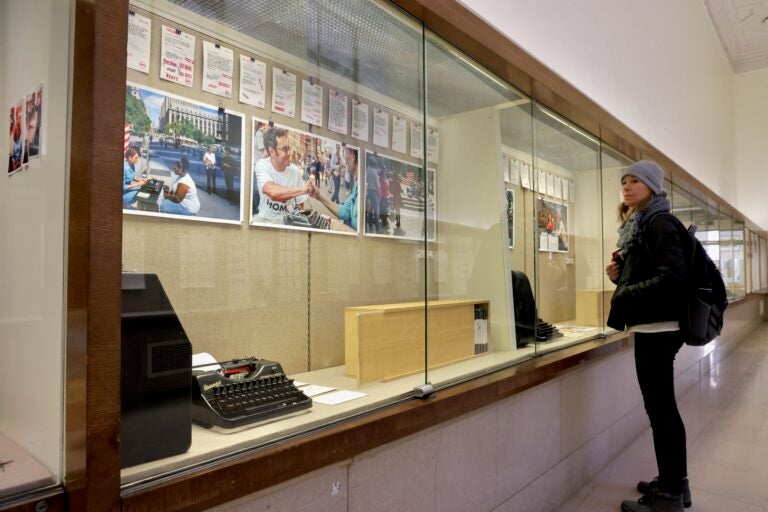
(654, 360)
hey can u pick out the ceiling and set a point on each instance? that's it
(743, 29)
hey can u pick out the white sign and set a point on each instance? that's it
(218, 66)
(253, 81)
(139, 32)
(337, 112)
(398, 134)
(381, 127)
(417, 141)
(311, 103)
(283, 92)
(433, 145)
(177, 56)
(359, 120)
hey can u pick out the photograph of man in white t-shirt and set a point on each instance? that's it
(279, 183)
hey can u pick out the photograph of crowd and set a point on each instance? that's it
(302, 181)
(397, 197)
(182, 158)
(552, 226)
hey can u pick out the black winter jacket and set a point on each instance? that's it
(651, 287)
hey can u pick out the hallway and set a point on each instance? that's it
(726, 417)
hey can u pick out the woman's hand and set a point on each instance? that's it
(613, 271)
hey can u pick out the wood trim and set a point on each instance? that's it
(92, 472)
(244, 475)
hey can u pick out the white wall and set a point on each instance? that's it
(34, 48)
(658, 66)
(749, 141)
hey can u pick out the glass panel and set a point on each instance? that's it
(34, 79)
(739, 260)
(568, 236)
(763, 264)
(725, 223)
(484, 145)
(613, 163)
(682, 205)
(306, 243)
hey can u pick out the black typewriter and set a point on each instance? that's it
(243, 392)
(307, 219)
(151, 187)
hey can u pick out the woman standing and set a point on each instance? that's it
(649, 271)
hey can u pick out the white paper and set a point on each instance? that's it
(253, 81)
(433, 145)
(541, 181)
(311, 103)
(218, 65)
(337, 112)
(177, 57)
(525, 177)
(417, 141)
(550, 185)
(381, 127)
(139, 35)
(339, 397)
(204, 358)
(283, 92)
(398, 134)
(299, 383)
(359, 120)
(314, 389)
(571, 190)
(558, 188)
(566, 192)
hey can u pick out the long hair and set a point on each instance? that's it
(625, 212)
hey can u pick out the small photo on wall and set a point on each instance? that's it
(34, 122)
(302, 181)
(183, 159)
(17, 154)
(397, 198)
(552, 226)
(510, 195)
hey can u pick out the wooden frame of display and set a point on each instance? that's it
(93, 281)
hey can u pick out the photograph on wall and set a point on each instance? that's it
(510, 195)
(397, 197)
(552, 223)
(34, 116)
(182, 158)
(17, 155)
(302, 181)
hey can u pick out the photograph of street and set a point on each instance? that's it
(183, 159)
(398, 196)
(303, 181)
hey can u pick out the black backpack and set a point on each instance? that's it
(707, 298)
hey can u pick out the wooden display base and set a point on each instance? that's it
(387, 341)
(590, 305)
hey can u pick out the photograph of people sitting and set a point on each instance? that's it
(181, 199)
(131, 184)
(347, 212)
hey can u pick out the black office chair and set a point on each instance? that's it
(528, 326)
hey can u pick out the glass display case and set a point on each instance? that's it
(327, 210)
(33, 200)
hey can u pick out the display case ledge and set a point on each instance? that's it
(204, 487)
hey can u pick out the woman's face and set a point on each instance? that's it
(349, 159)
(634, 191)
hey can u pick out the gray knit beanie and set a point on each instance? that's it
(649, 173)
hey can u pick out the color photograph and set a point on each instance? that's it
(552, 226)
(34, 122)
(183, 159)
(510, 195)
(302, 181)
(17, 155)
(397, 198)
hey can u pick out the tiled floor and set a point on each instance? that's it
(726, 418)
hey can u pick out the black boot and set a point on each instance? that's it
(655, 501)
(646, 487)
